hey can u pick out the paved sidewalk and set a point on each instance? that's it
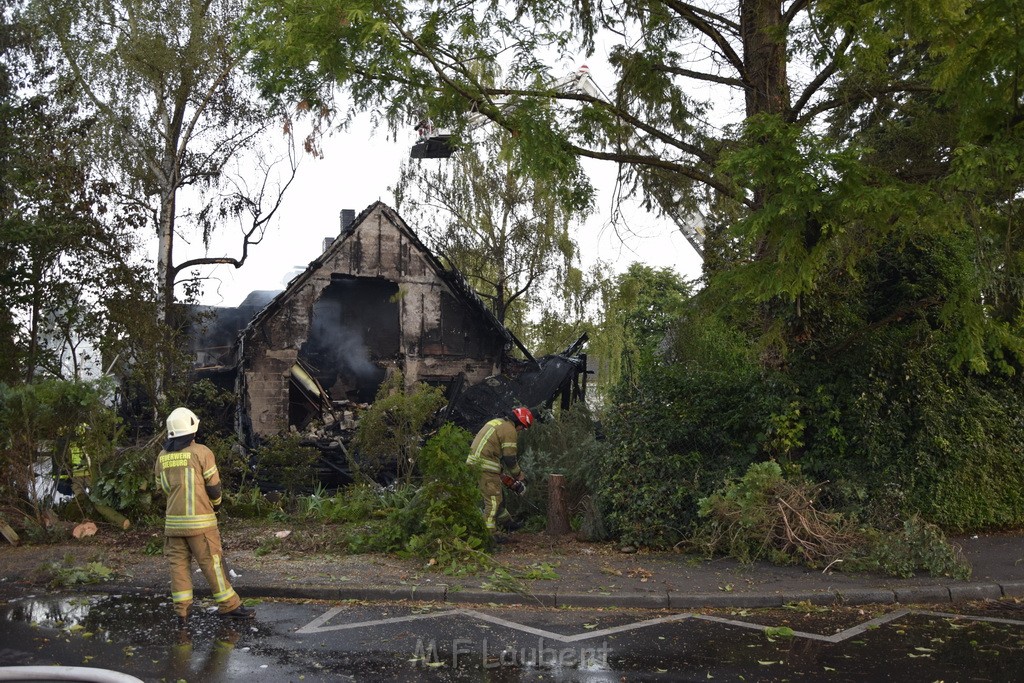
(588, 575)
(670, 581)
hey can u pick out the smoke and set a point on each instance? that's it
(348, 320)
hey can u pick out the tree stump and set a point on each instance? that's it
(558, 506)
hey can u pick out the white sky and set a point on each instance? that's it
(357, 169)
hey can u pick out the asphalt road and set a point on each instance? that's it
(310, 641)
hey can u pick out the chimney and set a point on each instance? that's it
(348, 216)
(328, 241)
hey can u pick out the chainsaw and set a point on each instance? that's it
(514, 485)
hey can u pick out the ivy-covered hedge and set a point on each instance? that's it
(676, 432)
(897, 432)
(890, 427)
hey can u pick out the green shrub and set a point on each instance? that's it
(771, 515)
(918, 546)
(440, 520)
(283, 463)
(675, 433)
(249, 503)
(391, 430)
(36, 424)
(877, 415)
(126, 482)
(355, 503)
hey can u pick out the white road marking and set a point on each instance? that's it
(587, 635)
(318, 625)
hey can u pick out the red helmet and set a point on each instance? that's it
(524, 416)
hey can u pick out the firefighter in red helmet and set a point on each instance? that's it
(494, 454)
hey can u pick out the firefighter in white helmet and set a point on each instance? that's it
(187, 473)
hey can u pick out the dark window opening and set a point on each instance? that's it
(355, 323)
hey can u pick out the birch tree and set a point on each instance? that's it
(178, 112)
(66, 250)
(509, 234)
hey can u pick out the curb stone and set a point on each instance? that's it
(917, 594)
(632, 600)
(866, 596)
(982, 591)
(484, 597)
(442, 593)
(813, 597)
(437, 592)
(725, 600)
(1013, 589)
(582, 599)
(371, 593)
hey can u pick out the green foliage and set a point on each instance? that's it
(898, 432)
(390, 431)
(132, 72)
(503, 581)
(284, 463)
(126, 481)
(917, 546)
(769, 515)
(357, 503)
(249, 503)
(638, 308)
(36, 424)
(216, 406)
(677, 430)
(440, 520)
(540, 571)
(510, 580)
(66, 252)
(877, 413)
(67, 574)
(766, 515)
(864, 277)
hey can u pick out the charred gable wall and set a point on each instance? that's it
(372, 302)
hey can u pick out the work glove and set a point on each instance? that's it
(517, 486)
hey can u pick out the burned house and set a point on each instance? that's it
(376, 300)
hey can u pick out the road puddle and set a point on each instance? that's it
(129, 633)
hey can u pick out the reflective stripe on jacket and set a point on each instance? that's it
(79, 461)
(495, 447)
(189, 478)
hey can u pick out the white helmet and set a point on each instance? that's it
(180, 422)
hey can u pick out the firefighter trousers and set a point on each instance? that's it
(205, 549)
(493, 493)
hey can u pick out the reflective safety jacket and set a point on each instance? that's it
(79, 461)
(190, 479)
(494, 448)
